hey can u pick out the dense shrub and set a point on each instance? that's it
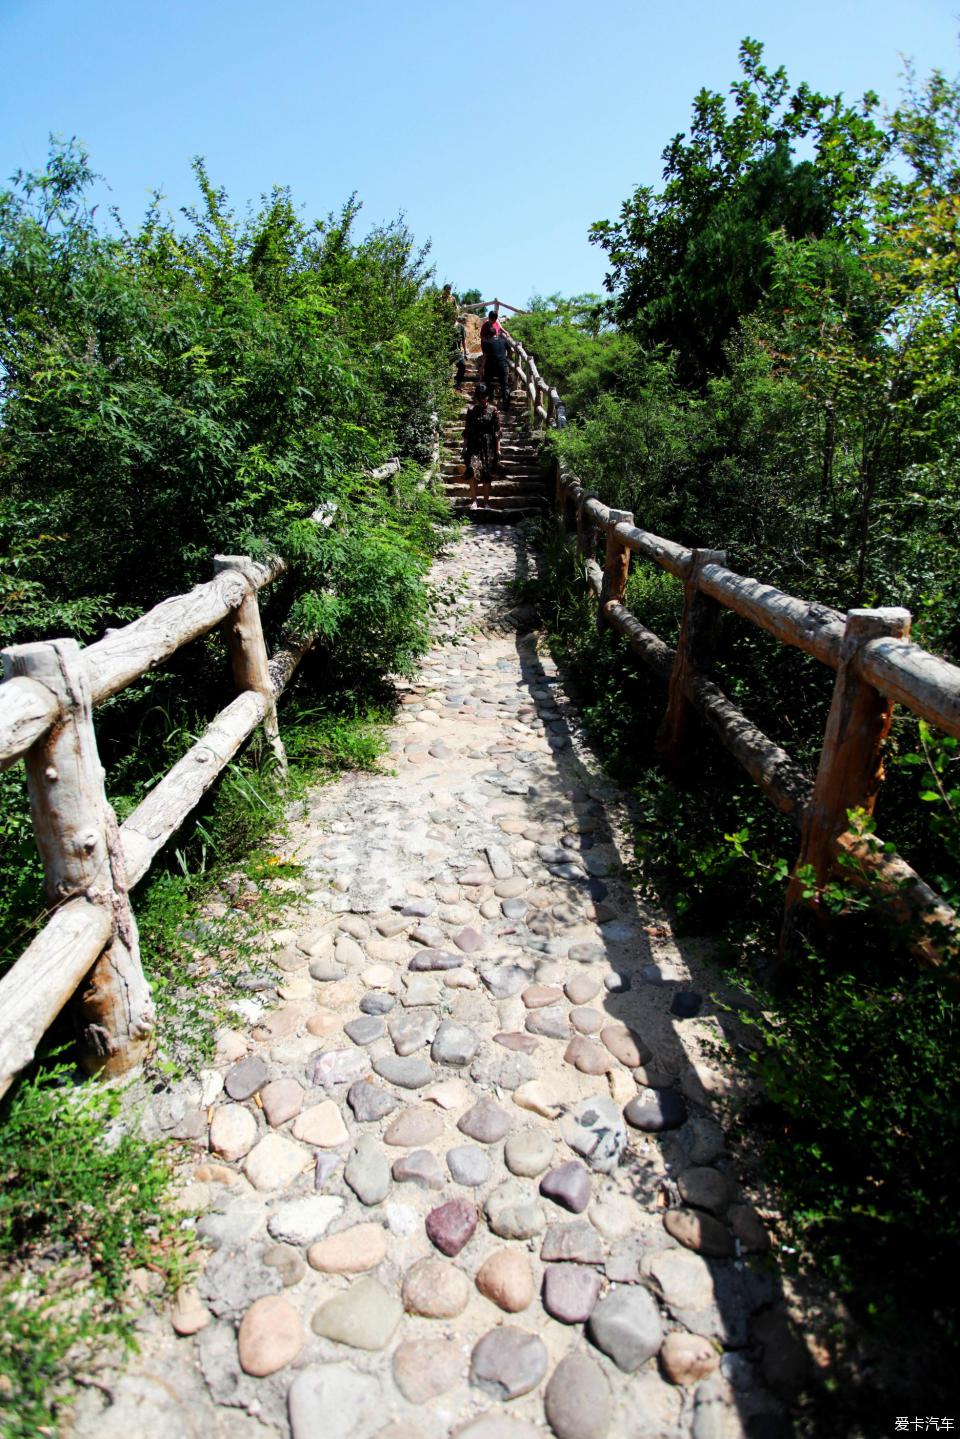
(178, 390)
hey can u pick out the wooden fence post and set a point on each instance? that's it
(696, 633)
(616, 565)
(248, 650)
(79, 843)
(558, 485)
(586, 529)
(851, 767)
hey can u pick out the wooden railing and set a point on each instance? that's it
(89, 944)
(544, 405)
(876, 666)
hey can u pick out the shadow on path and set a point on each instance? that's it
(675, 1162)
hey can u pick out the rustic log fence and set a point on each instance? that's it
(876, 663)
(89, 947)
(543, 403)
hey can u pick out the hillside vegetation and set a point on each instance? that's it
(774, 372)
(198, 386)
(168, 392)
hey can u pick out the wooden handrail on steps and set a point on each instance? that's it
(89, 945)
(877, 666)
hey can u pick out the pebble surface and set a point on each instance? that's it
(471, 1103)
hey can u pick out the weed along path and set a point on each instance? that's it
(469, 1174)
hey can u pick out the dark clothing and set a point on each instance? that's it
(489, 330)
(481, 431)
(495, 368)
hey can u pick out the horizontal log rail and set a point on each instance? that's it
(877, 666)
(88, 949)
(492, 305)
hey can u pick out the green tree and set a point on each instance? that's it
(688, 262)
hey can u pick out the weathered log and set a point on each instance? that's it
(815, 629)
(598, 512)
(586, 530)
(933, 926)
(46, 977)
(384, 471)
(782, 781)
(285, 660)
(696, 635)
(911, 676)
(558, 486)
(248, 650)
(616, 565)
(850, 768)
(665, 553)
(76, 834)
(27, 710)
(770, 767)
(645, 644)
(540, 414)
(127, 653)
(570, 492)
(162, 812)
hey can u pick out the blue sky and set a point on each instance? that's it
(501, 132)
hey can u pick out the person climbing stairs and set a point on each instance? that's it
(522, 488)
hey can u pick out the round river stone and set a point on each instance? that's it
(508, 1362)
(485, 1122)
(577, 1399)
(626, 1325)
(469, 1165)
(436, 1289)
(570, 1292)
(505, 1278)
(450, 1226)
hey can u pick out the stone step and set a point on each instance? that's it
(513, 440)
(516, 443)
(510, 466)
(509, 482)
(505, 505)
(507, 500)
(510, 456)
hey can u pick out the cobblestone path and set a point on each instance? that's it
(466, 1178)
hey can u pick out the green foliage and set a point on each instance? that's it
(336, 742)
(81, 1207)
(61, 1178)
(862, 1115)
(206, 386)
(168, 394)
(575, 347)
(689, 263)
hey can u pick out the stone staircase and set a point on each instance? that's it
(523, 489)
